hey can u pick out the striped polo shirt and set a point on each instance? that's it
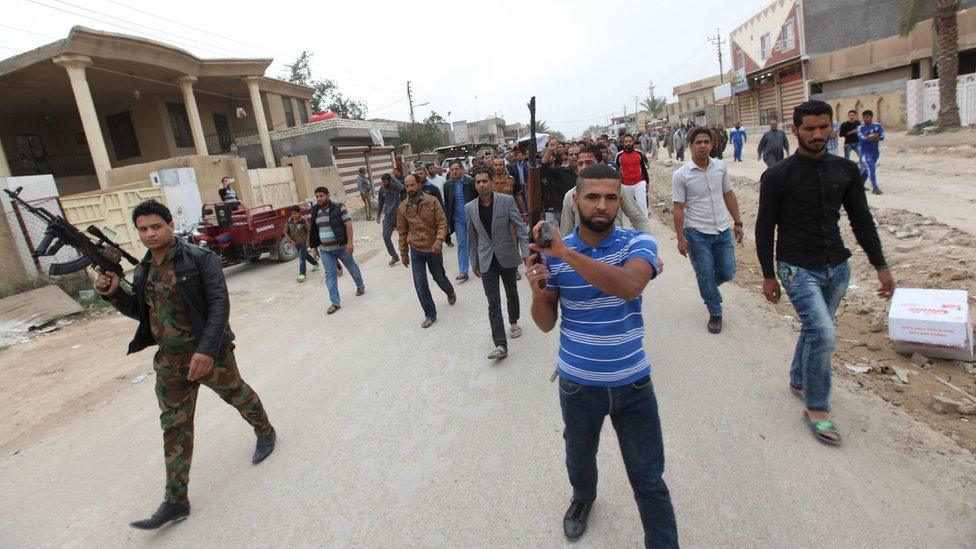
(601, 336)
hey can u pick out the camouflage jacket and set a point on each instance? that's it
(203, 290)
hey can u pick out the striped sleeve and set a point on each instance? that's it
(552, 285)
(643, 246)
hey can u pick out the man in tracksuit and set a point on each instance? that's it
(632, 166)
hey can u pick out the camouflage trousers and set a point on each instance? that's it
(177, 398)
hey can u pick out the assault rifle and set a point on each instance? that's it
(104, 254)
(533, 187)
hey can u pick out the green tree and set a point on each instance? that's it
(654, 105)
(946, 29)
(557, 135)
(542, 127)
(422, 136)
(327, 94)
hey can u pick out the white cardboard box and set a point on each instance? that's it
(935, 323)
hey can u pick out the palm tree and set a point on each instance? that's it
(947, 42)
(541, 126)
(654, 105)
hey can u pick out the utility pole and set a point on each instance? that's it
(650, 89)
(410, 99)
(718, 42)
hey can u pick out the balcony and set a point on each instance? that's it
(59, 166)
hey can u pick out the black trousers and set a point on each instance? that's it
(490, 279)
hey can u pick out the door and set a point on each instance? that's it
(223, 131)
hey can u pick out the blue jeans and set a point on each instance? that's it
(815, 295)
(633, 411)
(461, 230)
(848, 149)
(713, 258)
(304, 256)
(869, 162)
(737, 150)
(331, 260)
(420, 263)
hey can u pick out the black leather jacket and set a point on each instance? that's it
(204, 292)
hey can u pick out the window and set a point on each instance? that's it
(765, 47)
(787, 34)
(123, 135)
(289, 113)
(302, 112)
(180, 124)
(740, 60)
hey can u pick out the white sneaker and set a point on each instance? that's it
(301, 278)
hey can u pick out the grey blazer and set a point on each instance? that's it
(499, 239)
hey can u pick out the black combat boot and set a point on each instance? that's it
(167, 512)
(264, 447)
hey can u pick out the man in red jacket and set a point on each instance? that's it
(632, 165)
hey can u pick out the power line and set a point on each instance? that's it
(260, 48)
(30, 32)
(352, 83)
(718, 42)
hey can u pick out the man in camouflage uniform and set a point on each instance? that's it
(180, 299)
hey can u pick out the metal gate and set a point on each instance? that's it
(376, 160)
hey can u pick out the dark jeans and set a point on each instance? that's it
(389, 227)
(304, 256)
(713, 258)
(420, 263)
(633, 412)
(679, 153)
(490, 279)
(815, 294)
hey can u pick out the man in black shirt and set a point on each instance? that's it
(849, 131)
(558, 174)
(800, 197)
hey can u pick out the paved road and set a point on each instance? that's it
(390, 435)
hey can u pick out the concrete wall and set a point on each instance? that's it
(11, 265)
(843, 23)
(328, 177)
(209, 169)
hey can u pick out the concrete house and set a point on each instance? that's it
(79, 107)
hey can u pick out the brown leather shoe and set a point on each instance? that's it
(427, 323)
(452, 299)
(332, 308)
(361, 290)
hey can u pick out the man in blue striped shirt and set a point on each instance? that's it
(596, 276)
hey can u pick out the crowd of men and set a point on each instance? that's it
(583, 268)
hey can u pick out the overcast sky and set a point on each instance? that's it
(582, 60)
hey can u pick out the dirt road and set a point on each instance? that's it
(390, 435)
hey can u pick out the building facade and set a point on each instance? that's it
(696, 102)
(766, 64)
(95, 101)
(858, 59)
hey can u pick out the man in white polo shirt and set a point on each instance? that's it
(705, 208)
(596, 277)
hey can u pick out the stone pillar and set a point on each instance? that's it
(196, 127)
(4, 166)
(258, 107)
(296, 107)
(276, 111)
(75, 65)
